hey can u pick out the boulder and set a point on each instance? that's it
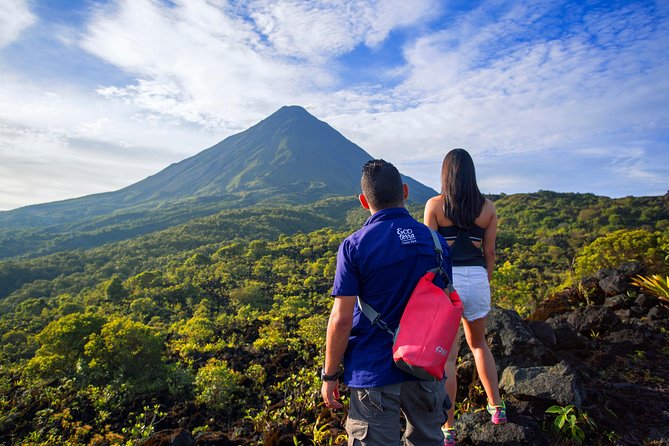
(590, 291)
(543, 332)
(631, 269)
(657, 314)
(476, 428)
(566, 337)
(555, 384)
(604, 272)
(592, 319)
(617, 302)
(555, 304)
(512, 341)
(615, 284)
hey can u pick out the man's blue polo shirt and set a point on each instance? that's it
(382, 263)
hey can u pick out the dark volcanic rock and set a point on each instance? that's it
(476, 429)
(543, 332)
(567, 338)
(170, 437)
(593, 318)
(557, 384)
(513, 341)
(617, 302)
(615, 284)
(631, 269)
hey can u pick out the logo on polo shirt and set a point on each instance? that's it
(407, 236)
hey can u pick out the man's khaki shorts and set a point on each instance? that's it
(374, 414)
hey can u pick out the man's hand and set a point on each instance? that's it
(330, 394)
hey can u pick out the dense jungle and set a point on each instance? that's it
(217, 325)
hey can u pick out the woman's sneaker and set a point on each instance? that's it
(498, 413)
(449, 436)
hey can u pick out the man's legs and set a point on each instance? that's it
(374, 416)
(424, 404)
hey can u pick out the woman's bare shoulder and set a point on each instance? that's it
(487, 214)
(435, 201)
(489, 206)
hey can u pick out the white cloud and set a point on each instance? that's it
(314, 30)
(57, 142)
(209, 64)
(193, 62)
(508, 81)
(535, 97)
(15, 16)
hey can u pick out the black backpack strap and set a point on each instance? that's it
(374, 316)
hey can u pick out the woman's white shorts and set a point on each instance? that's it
(472, 285)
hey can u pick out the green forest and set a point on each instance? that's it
(218, 324)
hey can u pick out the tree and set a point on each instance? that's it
(62, 344)
(114, 290)
(126, 350)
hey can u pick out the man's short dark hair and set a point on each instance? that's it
(381, 184)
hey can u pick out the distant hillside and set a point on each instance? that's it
(288, 158)
(539, 234)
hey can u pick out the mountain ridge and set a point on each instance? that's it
(277, 157)
(288, 158)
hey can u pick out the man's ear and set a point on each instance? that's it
(406, 191)
(363, 201)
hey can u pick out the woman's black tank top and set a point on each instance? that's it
(463, 251)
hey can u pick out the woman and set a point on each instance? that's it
(468, 222)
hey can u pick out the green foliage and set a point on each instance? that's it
(217, 385)
(655, 285)
(113, 289)
(62, 345)
(229, 311)
(512, 287)
(126, 351)
(624, 245)
(571, 422)
(142, 424)
(253, 293)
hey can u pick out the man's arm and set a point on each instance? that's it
(336, 341)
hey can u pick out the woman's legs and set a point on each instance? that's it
(451, 380)
(485, 363)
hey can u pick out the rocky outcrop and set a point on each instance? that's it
(602, 347)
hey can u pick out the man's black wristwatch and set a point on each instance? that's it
(334, 377)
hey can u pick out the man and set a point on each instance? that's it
(381, 263)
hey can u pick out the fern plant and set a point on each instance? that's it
(656, 285)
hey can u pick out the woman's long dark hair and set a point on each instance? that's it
(463, 201)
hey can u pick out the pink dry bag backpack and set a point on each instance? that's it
(428, 326)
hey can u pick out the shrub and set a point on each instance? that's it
(216, 385)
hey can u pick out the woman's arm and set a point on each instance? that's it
(489, 241)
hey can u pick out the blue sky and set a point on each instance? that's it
(570, 96)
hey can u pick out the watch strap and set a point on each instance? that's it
(333, 377)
